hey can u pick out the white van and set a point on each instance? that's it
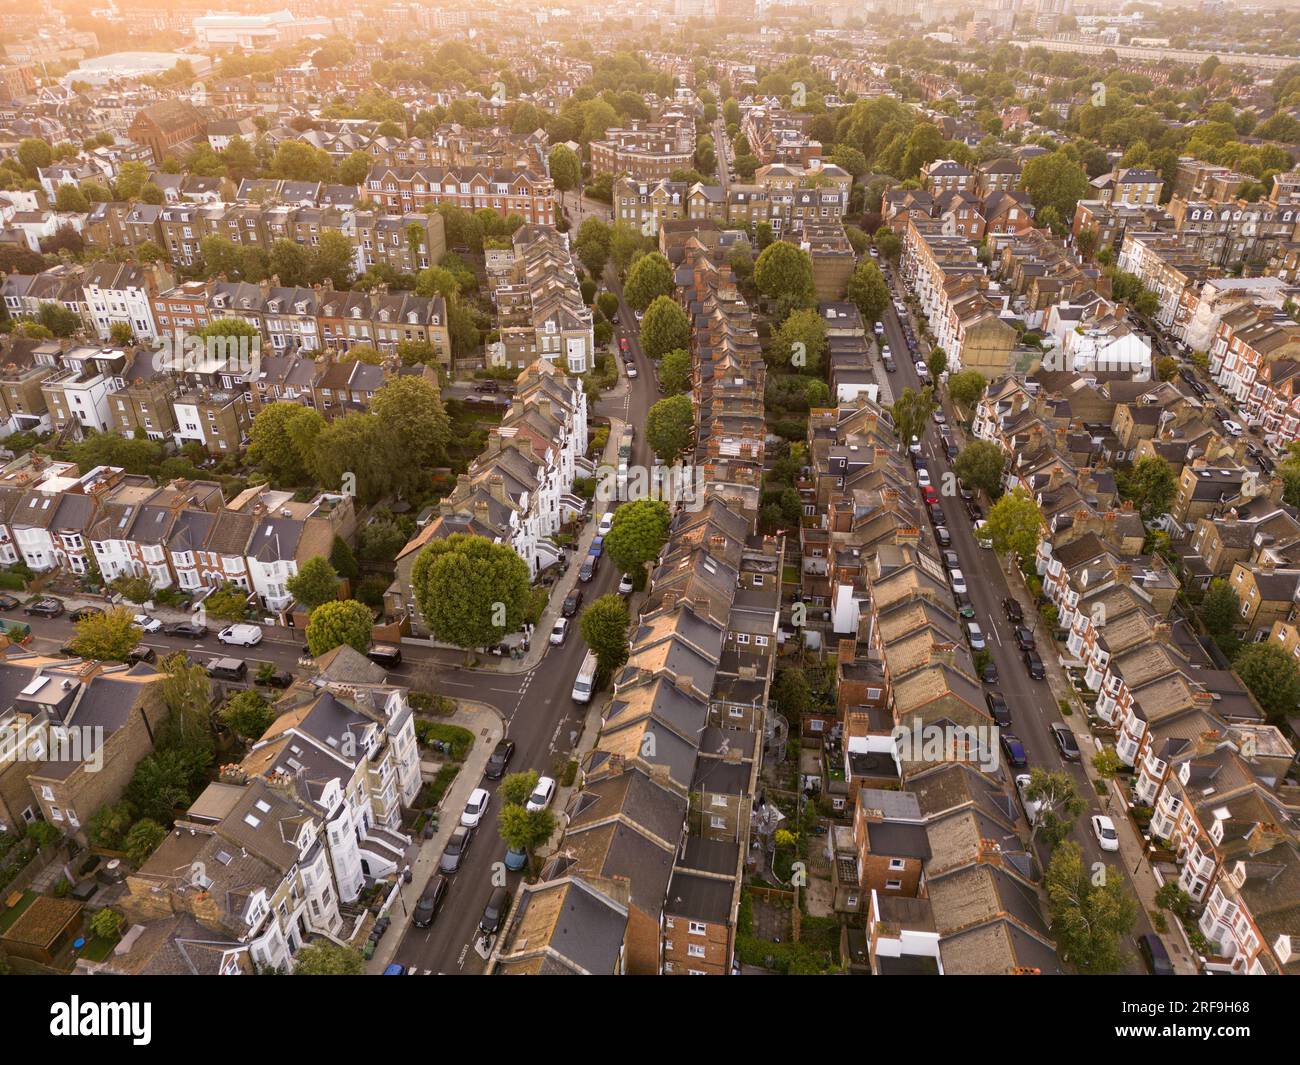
(586, 680)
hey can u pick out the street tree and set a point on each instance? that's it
(315, 583)
(636, 536)
(525, 830)
(565, 168)
(1058, 802)
(471, 591)
(604, 626)
(515, 788)
(650, 276)
(1090, 920)
(664, 327)
(937, 363)
(669, 426)
(323, 958)
(980, 465)
(343, 621)
(1013, 525)
(966, 387)
(107, 637)
(867, 291)
(911, 411)
(675, 369)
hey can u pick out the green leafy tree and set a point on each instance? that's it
(333, 624)
(1059, 805)
(1014, 523)
(143, 840)
(247, 715)
(664, 327)
(675, 371)
(784, 272)
(1270, 674)
(792, 693)
(289, 262)
(911, 411)
(937, 363)
(966, 387)
(353, 169)
(1220, 608)
(651, 276)
(669, 425)
(800, 343)
(164, 782)
(1090, 920)
(106, 923)
(637, 534)
(471, 591)
(332, 259)
(980, 465)
(109, 825)
(411, 409)
(517, 787)
(186, 691)
(107, 637)
(358, 451)
(323, 958)
(604, 626)
(566, 170)
(1150, 484)
(525, 830)
(343, 561)
(1055, 180)
(228, 603)
(625, 243)
(868, 291)
(315, 583)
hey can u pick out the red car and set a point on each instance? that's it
(622, 343)
(931, 496)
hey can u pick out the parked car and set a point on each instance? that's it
(923, 477)
(625, 584)
(1233, 428)
(1104, 829)
(45, 607)
(231, 669)
(1014, 751)
(431, 900)
(939, 417)
(1014, 612)
(605, 524)
(475, 807)
(936, 514)
(385, 654)
(147, 623)
(930, 494)
(457, 847)
(1035, 665)
(965, 608)
(1065, 742)
(84, 613)
(189, 630)
(1024, 638)
(1023, 780)
(975, 635)
(973, 510)
(942, 535)
(542, 795)
(559, 631)
(516, 860)
(951, 560)
(499, 759)
(7, 602)
(241, 635)
(958, 580)
(998, 708)
(989, 674)
(631, 370)
(981, 535)
(889, 364)
(571, 603)
(487, 386)
(1154, 955)
(494, 912)
(141, 653)
(915, 446)
(588, 569)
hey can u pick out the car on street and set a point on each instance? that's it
(1034, 665)
(241, 635)
(605, 524)
(597, 547)
(431, 900)
(516, 860)
(973, 510)
(1065, 742)
(942, 535)
(588, 569)
(930, 494)
(499, 759)
(187, 630)
(385, 654)
(85, 612)
(494, 912)
(1104, 829)
(141, 653)
(998, 708)
(951, 560)
(1014, 751)
(915, 446)
(631, 370)
(45, 607)
(975, 635)
(989, 674)
(542, 795)
(559, 631)
(148, 623)
(878, 328)
(1154, 956)
(1013, 610)
(981, 536)
(939, 417)
(7, 602)
(958, 580)
(936, 514)
(923, 478)
(889, 364)
(571, 603)
(1023, 780)
(1024, 638)
(475, 807)
(1233, 428)
(625, 584)
(965, 608)
(457, 847)
(622, 343)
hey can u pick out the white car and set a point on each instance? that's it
(976, 636)
(639, 315)
(885, 353)
(560, 632)
(542, 795)
(605, 524)
(625, 584)
(631, 370)
(923, 478)
(915, 446)
(981, 537)
(958, 581)
(148, 624)
(476, 807)
(922, 370)
(1233, 428)
(879, 328)
(1104, 829)
(1031, 805)
(241, 635)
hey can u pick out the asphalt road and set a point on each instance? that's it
(1033, 707)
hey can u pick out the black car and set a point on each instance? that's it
(494, 912)
(1065, 742)
(936, 514)
(1015, 751)
(385, 654)
(942, 535)
(1035, 665)
(1024, 638)
(499, 759)
(141, 653)
(84, 612)
(572, 602)
(998, 708)
(46, 607)
(7, 602)
(950, 449)
(1014, 612)
(588, 569)
(431, 900)
(973, 509)
(457, 847)
(889, 364)
(989, 674)
(188, 630)
(1154, 955)
(487, 386)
